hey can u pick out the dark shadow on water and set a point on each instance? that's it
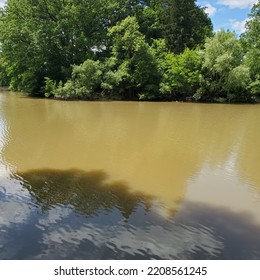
(238, 234)
(87, 192)
(83, 216)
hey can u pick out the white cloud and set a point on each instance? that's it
(210, 10)
(237, 3)
(238, 26)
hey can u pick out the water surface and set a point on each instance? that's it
(128, 180)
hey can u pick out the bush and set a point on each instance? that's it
(50, 87)
(182, 72)
(84, 83)
(254, 89)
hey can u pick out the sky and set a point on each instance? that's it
(227, 14)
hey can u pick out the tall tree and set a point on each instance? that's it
(252, 40)
(225, 77)
(130, 72)
(132, 68)
(145, 11)
(43, 38)
(184, 24)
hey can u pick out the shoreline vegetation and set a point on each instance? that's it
(127, 50)
(116, 99)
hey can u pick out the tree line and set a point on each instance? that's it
(133, 49)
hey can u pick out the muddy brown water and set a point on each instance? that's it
(128, 180)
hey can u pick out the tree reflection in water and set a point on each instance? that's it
(83, 216)
(86, 192)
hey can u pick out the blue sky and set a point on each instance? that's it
(227, 14)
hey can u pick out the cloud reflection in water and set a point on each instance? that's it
(79, 215)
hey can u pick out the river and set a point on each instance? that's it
(128, 180)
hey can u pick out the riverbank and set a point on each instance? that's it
(4, 89)
(101, 98)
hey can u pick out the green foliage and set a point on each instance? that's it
(44, 38)
(148, 50)
(50, 87)
(225, 77)
(150, 24)
(4, 80)
(84, 83)
(132, 67)
(184, 24)
(254, 89)
(238, 83)
(222, 53)
(251, 39)
(251, 35)
(181, 76)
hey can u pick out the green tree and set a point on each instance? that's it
(182, 73)
(225, 77)
(84, 83)
(147, 13)
(43, 38)
(130, 72)
(4, 80)
(132, 68)
(251, 39)
(184, 24)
